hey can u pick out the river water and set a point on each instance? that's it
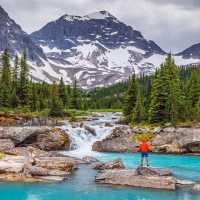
(81, 185)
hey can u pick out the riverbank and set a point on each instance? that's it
(80, 137)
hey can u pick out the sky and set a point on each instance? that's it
(173, 24)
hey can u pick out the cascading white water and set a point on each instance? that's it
(82, 139)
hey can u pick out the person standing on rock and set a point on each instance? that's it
(144, 148)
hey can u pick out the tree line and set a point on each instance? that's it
(171, 95)
(18, 91)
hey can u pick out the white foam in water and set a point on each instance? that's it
(82, 140)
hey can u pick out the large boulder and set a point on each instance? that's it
(55, 139)
(131, 178)
(19, 134)
(118, 141)
(43, 138)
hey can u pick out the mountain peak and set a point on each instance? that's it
(103, 14)
(3, 12)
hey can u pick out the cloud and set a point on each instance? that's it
(172, 24)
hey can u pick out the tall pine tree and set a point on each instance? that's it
(130, 98)
(23, 82)
(5, 82)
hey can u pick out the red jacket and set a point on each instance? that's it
(144, 147)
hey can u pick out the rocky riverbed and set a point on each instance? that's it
(99, 133)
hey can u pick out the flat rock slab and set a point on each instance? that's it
(131, 178)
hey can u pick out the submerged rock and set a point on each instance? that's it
(131, 178)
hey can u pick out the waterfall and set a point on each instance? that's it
(83, 135)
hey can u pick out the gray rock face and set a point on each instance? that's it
(131, 178)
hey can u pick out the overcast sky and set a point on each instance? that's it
(172, 24)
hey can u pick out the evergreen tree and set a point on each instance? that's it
(5, 82)
(158, 110)
(56, 107)
(76, 101)
(23, 83)
(13, 99)
(176, 98)
(34, 100)
(15, 76)
(63, 93)
(130, 98)
(166, 97)
(138, 114)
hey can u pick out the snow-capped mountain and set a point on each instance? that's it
(13, 38)
(96, 49)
